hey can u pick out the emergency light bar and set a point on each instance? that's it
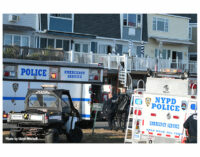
(48, 86)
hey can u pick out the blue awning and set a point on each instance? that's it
(75, 35)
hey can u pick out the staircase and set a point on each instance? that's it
(124, 76)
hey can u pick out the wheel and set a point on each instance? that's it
(75, 136)
(52, 136)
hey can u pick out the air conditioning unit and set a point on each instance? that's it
(13, 18)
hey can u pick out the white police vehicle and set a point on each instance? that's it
(162, 107)
(21, 75)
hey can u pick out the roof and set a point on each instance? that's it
(17, 28)
(193, 17)
(172, 41)
(103, 25)
(77, 35)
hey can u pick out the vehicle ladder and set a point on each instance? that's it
(132, 123)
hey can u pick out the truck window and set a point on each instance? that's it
(66, 104)
(39, 100)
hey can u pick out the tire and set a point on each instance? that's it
(52, 136)
(75, 136)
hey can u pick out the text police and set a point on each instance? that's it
(162, 103)
(33, 72)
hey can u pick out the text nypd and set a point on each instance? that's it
(168, 104)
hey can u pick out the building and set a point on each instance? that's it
(168, 37)
(124, 43)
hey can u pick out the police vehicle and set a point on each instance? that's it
(48, 113)
(21, 75)
(161, 107)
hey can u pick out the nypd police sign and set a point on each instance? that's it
(164, 115)
(33, 72)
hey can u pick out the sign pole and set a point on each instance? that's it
(94, 122)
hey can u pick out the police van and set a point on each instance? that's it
(161, 107)
(20, 75)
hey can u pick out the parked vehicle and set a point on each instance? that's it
(21, 75)
(48, 113)
(161, 107)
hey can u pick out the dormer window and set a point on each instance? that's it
(130, 20)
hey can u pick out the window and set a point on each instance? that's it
(43, 100)
(138, 18)
(43, 43)
(7, 39)
(50, 43)
(85, 47)
(66, 45)
(66, 104)
(25, 41)
(77, 47)
(165, 54)
(168, 54)
(190, 33)
(94, 47)
(118, 49)
(16, 40)
(62, 15)
(102, 48)
(160, 24)
(129, 20)
(125, 49)
(58, 43)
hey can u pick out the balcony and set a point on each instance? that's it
(109, 61)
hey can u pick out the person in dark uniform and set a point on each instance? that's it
(191, 125)
(109, 110)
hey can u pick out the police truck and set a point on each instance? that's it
(160, 108)
(21, 75)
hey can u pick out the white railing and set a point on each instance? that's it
(112, 61)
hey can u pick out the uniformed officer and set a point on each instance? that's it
(191, 125)
(110, 109)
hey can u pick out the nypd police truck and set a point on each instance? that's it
(21, 75)
(161, 107)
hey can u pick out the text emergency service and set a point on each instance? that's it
(168, 104)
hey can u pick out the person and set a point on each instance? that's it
(109, 110)
(191, 125)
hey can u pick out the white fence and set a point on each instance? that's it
(112, 61)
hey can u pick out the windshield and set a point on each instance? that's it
(43, 100)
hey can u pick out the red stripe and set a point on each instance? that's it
(159, 134)
(143, 122)
(151, 133)
(168, 135)
(177, 136)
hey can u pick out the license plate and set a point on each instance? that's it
(16, 117)
(36, 117)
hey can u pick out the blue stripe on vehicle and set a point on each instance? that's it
(85, 115)
(15, 98)
(23, 98)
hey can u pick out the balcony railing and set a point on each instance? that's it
(109, 61)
